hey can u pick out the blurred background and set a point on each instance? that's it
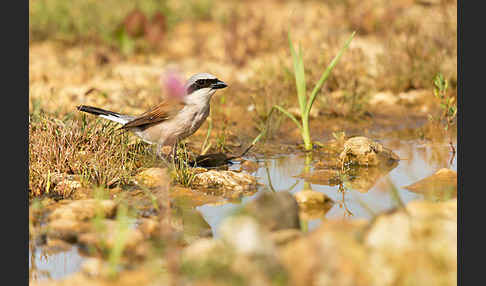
(121, 47)
(114, 54)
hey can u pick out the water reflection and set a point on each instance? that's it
(45, 265)
(366, 191)
(361, 193)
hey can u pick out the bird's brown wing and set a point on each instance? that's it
(161, 112)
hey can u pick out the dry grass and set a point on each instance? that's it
(85, 147)
(419, 51)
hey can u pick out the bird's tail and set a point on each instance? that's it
(110, 115)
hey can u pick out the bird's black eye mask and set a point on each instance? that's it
(202, 83)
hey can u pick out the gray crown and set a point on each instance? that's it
(203, 75)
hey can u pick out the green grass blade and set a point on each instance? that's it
(122, 228)
(299, 74)
(281, 109)
(302, 91)
(327, 72)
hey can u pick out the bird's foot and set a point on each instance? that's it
(165, 153)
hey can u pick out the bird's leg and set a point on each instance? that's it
(174, 150)
(162, 154)
(158, 151)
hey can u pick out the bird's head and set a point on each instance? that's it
(201, 86)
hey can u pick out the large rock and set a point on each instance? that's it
(107, 238)
(246, 236)
(66, 229)
(227, 180)
(274, 211)
(284, 236)
(66, 188)
(310, 197)
(418, 246)
(83, 210)
(244, 255)
(62, 185)
(330, 255)
(95, 267)
(203, 249)
(365, 152)
(383, 98)
(72, 218)
(153, 177)
(412, 246)
(313, 204)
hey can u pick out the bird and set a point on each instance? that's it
(172, 120)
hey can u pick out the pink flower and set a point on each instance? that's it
(173, 84)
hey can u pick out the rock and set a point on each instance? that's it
(415, 245)
(203, 249)
(365, 152)
(153, 177)
(106, 239)
(424, 210)
(57, 177)
(66, 229)
(441, 185)
(274, 211)
(311, 197)
(94, 268)
(63, 185)
(427, 232)
(66, 187)
(214, 258)
(330, 255)
(149, 227)
(316, 212)
(313, 204)
(413, 97)
(83, 210)
(57, 245)
(383, 98)
(245, 236)
(284, 236)
(359, 177)
(228, 180)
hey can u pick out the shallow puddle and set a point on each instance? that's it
(280, 173)
(418, 161)
(43, 265)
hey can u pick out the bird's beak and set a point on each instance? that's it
(218, 85)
